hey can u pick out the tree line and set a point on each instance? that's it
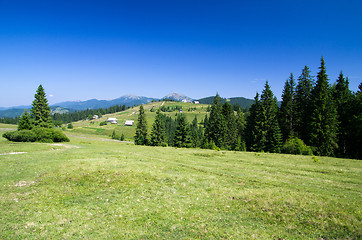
(313, 117)
(62, 118)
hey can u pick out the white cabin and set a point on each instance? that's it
(129, 123)
(112, 120)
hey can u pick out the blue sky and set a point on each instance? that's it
(80, 50)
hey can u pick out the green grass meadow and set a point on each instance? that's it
(96, 188)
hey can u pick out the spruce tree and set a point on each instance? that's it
(230, 128)
(158, 137)
(25, 121)
(40, 110)
(182, 135)
(240, 124)
(255, 137)
(270, 127)
(215, 128)
(286, 112)
(343, 99)
(196, 134)
(355, 136)
(141, 130)
(324, 116)
(303, 105)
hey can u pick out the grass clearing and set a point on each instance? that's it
(91, 188)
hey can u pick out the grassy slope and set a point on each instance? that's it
(90, 188)
(86, 127)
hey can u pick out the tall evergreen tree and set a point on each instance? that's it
(240, 124)
(40, 110)
(158, 137)
(215, 128)
(230, 128)
(182, 133)
(25, 121)
(270, 127)
(343, 98)
(141, 130)
(287, 111)
(324, 116)
(303, 105)
(255, 137)
(196, 134)
(355, 136)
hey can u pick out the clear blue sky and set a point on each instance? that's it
(105, 49)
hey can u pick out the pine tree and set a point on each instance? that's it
(255, 137)
(270, 128)
(215, 128)
(286, 112)
(343, 98)
(40, 110)
(182, 135)
(324, 116)
(355, 135)
(230, 136)
(25, 121)
(240, 125)
(141, 130)
(158, 137)
(303, 105)
(196, 134)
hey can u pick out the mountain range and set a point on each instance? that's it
(128, 100)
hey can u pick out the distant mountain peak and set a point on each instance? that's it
(178, 97)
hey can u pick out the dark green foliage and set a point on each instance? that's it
(268, 116)
(20, 136)
(296, 146)
(103, 123)
(158, 137)
(286, 111)
(115, 135)
(324, 116)
(343, 99)
(40, 110)
(215, 128)
(37, 135)
(303, 105)
(240, 124)
(240, 145)
(122, 137)
(230, 134)
(196, 134)
(170, 128)
(171, 108)
(141, 130)
(262, 125)
(255, 138)
(182, 133)
(355, 136)
(70, 126)
(241, 102)
(25, 121)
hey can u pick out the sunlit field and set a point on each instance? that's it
(95, 187)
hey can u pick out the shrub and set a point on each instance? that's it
(103, 123)
(37, 135)
(70, 126)
(20, 136)
(296, 146)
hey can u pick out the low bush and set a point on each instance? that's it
(36, 135)
(296, 146)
